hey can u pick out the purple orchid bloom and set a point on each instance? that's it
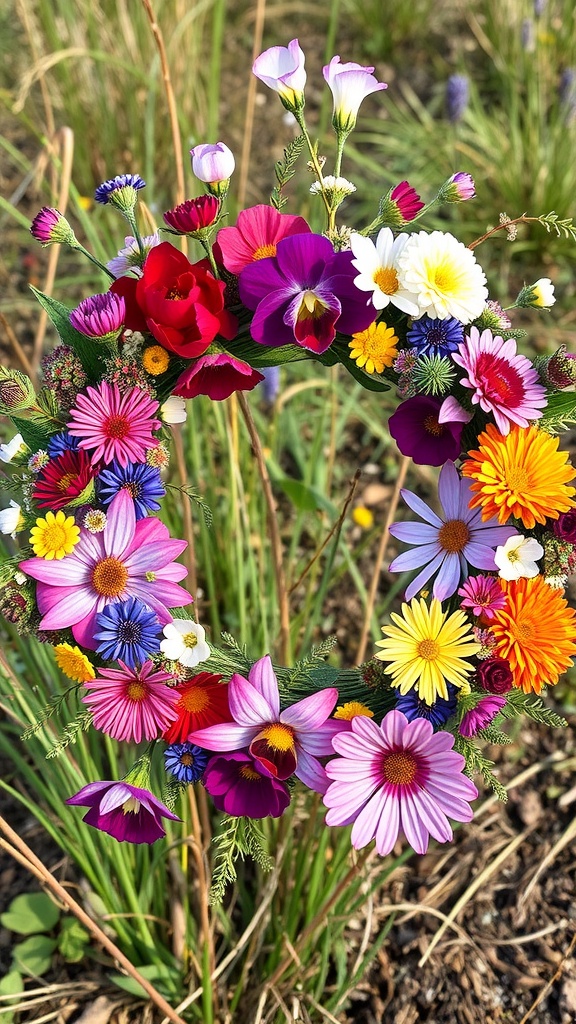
(125, 812)
(283, 743)
(303, 294)
(447, 544)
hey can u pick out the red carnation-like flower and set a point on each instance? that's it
(193, 215)
(180, 303)
(63, 480)
(203, 701)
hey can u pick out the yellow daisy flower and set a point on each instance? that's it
(428, 648)
(351, 709)
(155, 360)
(375, 348)
(55, 536)
(73, 663)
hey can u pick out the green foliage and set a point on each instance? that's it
(520, 703)
(476, 763)
(73, 729)
(34, 955)
(54, 707)
(73, 940)
(29, 913)
(91, 354)
(238, 838)
(12, 984)
(285, 169)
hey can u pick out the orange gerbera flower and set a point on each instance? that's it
(535, 632)
(520, 474)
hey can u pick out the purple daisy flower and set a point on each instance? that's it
(435, 337)
(121, 190)
(185, 762)
(446, 545)
(125, 812)
(422, 432)
(143, 483)
(303, 294)
(100, 316)
(239, 786)
(127, 631)
(62, 442)
(479, 717)
(438, 713)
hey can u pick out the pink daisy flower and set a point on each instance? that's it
(396, 777)
(114, 425)
(131, 705)
(256, 235)
(504, 382)
(127, 559)
(483, 595)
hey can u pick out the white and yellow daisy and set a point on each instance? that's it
(378, 266)
(443, 276)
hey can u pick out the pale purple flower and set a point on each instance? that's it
(349, 84)
(457, 95)
(281, 68)
(397, 777)
(446, 545)
(479, 717)
(285, 742)
(212, 162)
(129, 260)
(127, 813)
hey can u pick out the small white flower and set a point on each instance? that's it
(8, 451)
(185, 642)
(173, 410)
(443, 276)
(517, 557)
(9, 519)
(332, 184)
(378, 266)
(543, 293)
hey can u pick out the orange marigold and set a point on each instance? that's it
(535, 632)
(520, 474)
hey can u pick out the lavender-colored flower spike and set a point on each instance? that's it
(457, 95)
(271, 383)
(539, 8)
(567, 93)
(527, 36)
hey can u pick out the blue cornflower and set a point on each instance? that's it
(121, 190)
(142, 482)
(435, 337)
(186, 761)
(437, 713)
(62, 442)
(128, 632)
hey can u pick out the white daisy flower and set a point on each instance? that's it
(378, 266)
(517, 557)
(443, 275)
(185, 642)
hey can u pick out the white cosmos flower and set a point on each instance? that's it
(9, 518)
(9, 450)
(443, 275)
(517, 557)
(185, 642)
(378, 266)
(543, 293)
(173, 410)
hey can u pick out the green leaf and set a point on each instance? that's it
(156, 973)
(12, 984)
(30, 913)
(34, 955)
(304, 497)
(91, 354)
(72, 940)
(35, 433)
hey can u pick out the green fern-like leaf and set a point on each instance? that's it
(552, 222)
(196, 499)
(53, 707)
(239, 838)
(532, 705)
(284, 170)
(477, 764)
(255, 845)
(81, 723)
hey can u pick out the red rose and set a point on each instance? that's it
(495, 675)
(180, 303)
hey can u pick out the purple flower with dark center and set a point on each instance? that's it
(303, 294)
(127, 631)
(185, 762)
(239, 786)
(437, 713)
(122, 190)
(435, 337)
(100, 316)
(125, 812)
(62, 442)
(142, 482)
(447, 544)
(479, 717)
(419, 432)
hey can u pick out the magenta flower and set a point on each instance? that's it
(127, 559)
(483, 595)
(193, 215)
(349, 84)
(304, 294)
(281, 68)
(114, 425)
(396, 777)
(100, 316)
(459, 188)
(284, 743)
(504, 383)
(445, 545)
(132, 704)
(421, 435)
(238, 786)
(479, 717)
(407, 201)
(218, 375)
(50, 226)
(125, 812)
(212, 162)
(256, 235)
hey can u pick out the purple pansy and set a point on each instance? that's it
(125, 812)
(426, 431)
(304, 294)
(238, 786)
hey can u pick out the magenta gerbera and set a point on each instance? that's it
(396, 777)
(114, 425)
(504, 382)
(132, 704)
(256, 235)
(127, 559)
(127, 813)
(284, 743)
(483, 595)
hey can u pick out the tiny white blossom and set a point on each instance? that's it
(332, 184)
(517, 557)
(379, 270)
(173, 410)
(9, 450)
(9, 518)
(185, 642)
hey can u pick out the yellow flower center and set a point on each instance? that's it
(428, 649)
(263, 251)
(246, 772)
(521, 631)
(400, 767)
(454, 536)
(387, 280)
(65, 481)
(110, 577)
(131, 805)
(54, 536)
(310, 306)
(155, 360)
(195, 700)
(445, 276)
(278, 736)
(136, 691)
(190, 640)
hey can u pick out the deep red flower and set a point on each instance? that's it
(180, 303)
(63, 480)
(193, 215)
(203, 701)
(217, 375)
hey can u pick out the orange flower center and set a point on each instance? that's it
(432, 426)
(521, 631)
(195, 699)
(400, 767)
(116, 426)
(517, 479)
(175, 295)
(136, 691)
(454, 535)
(263, 251)
(246, 772)
(110, 577)
(65, 481)
(387, 280)
(428, 649)
(187, 760)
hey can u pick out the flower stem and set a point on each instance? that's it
(315, 162)
(78, 245)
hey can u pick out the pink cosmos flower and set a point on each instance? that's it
(218, 375)
(132, 704)
(504, 382)
(127, 813)
(127, 559)
(114, 425)
(479, 717)
(483, 595)
(397, 776)
(256, 235)
(285, 742)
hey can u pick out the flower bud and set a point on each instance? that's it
(193, 216)
(11, 519)
(349, 84)
(16, 391)
(214, 164)
(281, 68)
(13, 449)
(100, 317)
(121, 191)
(539, 295)
(50, 227)
(560, 369)
(400, 205)
(458, 188)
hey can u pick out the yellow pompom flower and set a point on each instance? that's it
(155, 360)
(55, 536)
(73, 663)
(363, 517)
(375, 348)
(352, 708)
